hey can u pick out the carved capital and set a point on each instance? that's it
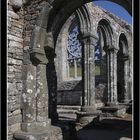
(37, 51)
(125, 58)
(89, 38)
(111, 49)
(38, 56)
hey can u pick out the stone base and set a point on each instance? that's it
(86, 118)
(35, 126)
(113, 111)
(53, 133)
(61, 131)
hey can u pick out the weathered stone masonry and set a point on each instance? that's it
(28, 102)
(98, 14)
(15, 65)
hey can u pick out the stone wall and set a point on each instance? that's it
(70, 93)
(21, 21)
(31, 13)
(15, 59)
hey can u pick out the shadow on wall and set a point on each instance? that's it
(52, 85)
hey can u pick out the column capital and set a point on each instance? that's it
(36, 49)
(126, 57)
(89, 35)
(38, 56)
(112, 49)
(90, 39)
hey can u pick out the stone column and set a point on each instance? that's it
(42, 95)
(112, 75)
(28, 99)
(35, 99)
(35, 109)
(89, 42)
(126, 78)
(88, 109)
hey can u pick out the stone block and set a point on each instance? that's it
(15, 119)
(10, 137)
(15, 127)
(116, 111)
(12, 89)
(13, 107)
(14, 61)
(18, 39)
(13, 15)
(16, 112)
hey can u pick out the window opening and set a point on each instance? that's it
(74, 54)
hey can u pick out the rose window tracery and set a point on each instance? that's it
(74, 55)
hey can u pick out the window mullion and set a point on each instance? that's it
(75, 68)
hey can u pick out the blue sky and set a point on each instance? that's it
(115, 9)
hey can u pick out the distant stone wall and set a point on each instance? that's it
(70, 93)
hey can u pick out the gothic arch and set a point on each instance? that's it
(83, 15)
(71, 6)
(106, 33)
(62, 43)
(123, 69)
(124, 44)
(52, 19)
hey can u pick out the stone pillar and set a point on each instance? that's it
(89, 43)
(42, 95)
(88, 109)
(28, 99)
(35, 100)
(35, 109)
(113, 108)
(126, 79)
(112, 75)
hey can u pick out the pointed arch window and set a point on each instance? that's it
(74, 54)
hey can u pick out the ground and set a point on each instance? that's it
(107, 129)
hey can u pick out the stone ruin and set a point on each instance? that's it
(57, 57)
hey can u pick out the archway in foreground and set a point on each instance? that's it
(48, 27)
(58, 7)
(43, 44)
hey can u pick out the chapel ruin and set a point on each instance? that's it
(66, 54)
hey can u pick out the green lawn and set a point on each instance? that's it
(79, 72)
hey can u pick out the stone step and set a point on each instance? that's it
(66, 111)
(67, 117)
(68, 107)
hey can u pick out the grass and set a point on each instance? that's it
(79, 71)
